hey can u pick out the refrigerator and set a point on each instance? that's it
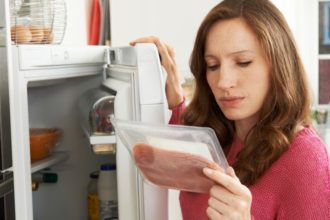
(7, 207)
(41, 86)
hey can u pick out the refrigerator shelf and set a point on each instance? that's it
(55, 158)
(100, 139)
(103, 144)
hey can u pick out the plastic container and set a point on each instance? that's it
(92, 197)
(43, 141)
(172, 156)
(107, 192)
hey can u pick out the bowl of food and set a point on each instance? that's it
(43, 141)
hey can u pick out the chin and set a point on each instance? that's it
(234, 116)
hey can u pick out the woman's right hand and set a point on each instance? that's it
(173, 89)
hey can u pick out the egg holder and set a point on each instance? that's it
(38, 21)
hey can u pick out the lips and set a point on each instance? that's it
(231, 101)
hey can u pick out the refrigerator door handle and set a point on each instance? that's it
(7, 184)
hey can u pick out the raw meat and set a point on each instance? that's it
(172, 169)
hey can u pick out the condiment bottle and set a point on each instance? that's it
(107, 191)
(92, 197)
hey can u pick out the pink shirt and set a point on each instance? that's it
(296, 186)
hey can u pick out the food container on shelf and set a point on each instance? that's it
(37, 21)
(172, 156)
(43, 142)
(96, 106)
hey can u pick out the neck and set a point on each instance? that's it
(243, 127)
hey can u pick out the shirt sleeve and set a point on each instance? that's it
(177, 112)
(307, 188)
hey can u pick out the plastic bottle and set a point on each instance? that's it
(107, 191)
(92, 196)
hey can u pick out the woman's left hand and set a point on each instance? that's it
(229, 199)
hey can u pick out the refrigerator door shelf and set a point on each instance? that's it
(101, 144)
(95, 107)
(104, 148)
(102, 139)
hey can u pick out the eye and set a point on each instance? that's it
(213, 67)
(244, 64)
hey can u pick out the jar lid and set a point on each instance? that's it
(108, 166)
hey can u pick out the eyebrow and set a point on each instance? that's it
(232, 53)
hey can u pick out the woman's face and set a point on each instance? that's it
(237, 70)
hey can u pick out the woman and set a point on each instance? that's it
(252, 90)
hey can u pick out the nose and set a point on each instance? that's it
(226, 78)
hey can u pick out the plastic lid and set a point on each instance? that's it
(108, 166)
(94, 175)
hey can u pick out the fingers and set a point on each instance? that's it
(170, 51)
(149, 39)
(213, 214)
(165, 51)
(230, 182)
(227, 204)
(223, 195)
(229, 199)
(218, 209)
(231, 173)
(215, 166)
(173, 88)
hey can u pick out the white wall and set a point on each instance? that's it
(78, 16)
(173, 21)
(176, 23)
(302, 16)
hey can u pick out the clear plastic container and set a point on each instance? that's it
(172, 156)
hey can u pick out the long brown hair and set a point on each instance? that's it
(288, 103)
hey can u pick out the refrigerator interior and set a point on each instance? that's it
(54, 104)
(45, 94)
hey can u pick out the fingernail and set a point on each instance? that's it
(208, 171)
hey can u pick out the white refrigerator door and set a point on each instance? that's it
(136, 75)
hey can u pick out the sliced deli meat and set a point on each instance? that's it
(172, 169)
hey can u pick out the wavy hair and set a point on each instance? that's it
(288, 102)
